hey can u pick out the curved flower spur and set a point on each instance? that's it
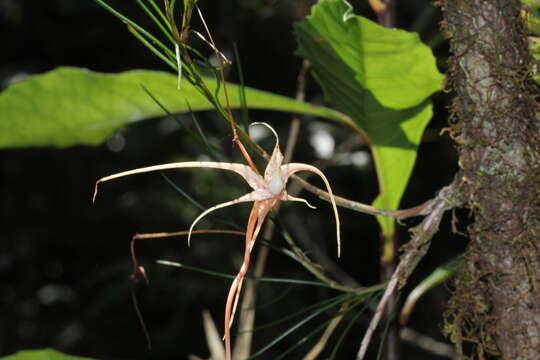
(268, 190)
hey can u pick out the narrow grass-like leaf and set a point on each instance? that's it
(198, 204)
(197, 136)
(171, 7)
(244, 115)
(137, 27)
(306, 309)
(229, 276)
(389, 320)
(315, 331)
(217, 154)
(346, 331)
(276, 298)
(305, 338)
(159, 24)
(161, 14)
(152, 48)
(183, 193)
(294, 328)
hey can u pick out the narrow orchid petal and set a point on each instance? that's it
(248, 197)
(288, 197)
(253, 179)
(273, 167)
(234, 289)
(290, 169)
(239, 287)
(262, 208)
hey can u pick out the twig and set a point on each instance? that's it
(236, 139)
(364, 208)
(139, 270)
(448, 198)
(428, 344)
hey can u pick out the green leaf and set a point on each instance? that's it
(46, 354)
(70, 106)
(438, 276)
(382, 78)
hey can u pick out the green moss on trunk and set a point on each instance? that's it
(496, 304)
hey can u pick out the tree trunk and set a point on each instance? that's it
(496, 304)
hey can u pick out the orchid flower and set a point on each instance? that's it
(268, 190)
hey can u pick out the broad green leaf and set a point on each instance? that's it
(46, 354)
(71, 106)
(380, 77)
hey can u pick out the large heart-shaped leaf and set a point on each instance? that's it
(71, 106)
(380, 77)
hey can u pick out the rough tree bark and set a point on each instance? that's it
(496, 304)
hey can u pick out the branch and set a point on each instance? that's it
(448, 198)
(422, 209)
(428, 344)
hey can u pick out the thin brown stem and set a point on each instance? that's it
(364, 208)
(139, 271)
(232, 122)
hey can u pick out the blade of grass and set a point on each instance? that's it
(137, 27)
(166, 111)
(171, 7)
(276, 299)
(212, 148)
(198, 204)
(391, 318)
(298, 313)
(157, 21)
(294, 328)
(217, 154)
(198, 137)
(161, 14)
(244, 116)
(339, 314)
(183, 193)
(230, 276)
(320, 345)
(348, 328)
(303, 340)
(152, 48)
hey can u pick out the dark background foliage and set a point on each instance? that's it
(64, 263)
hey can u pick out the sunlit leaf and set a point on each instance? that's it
(70, 106)
(380, 77)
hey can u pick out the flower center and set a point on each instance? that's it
(275, 185)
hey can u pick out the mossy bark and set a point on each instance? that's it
(496, 304)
